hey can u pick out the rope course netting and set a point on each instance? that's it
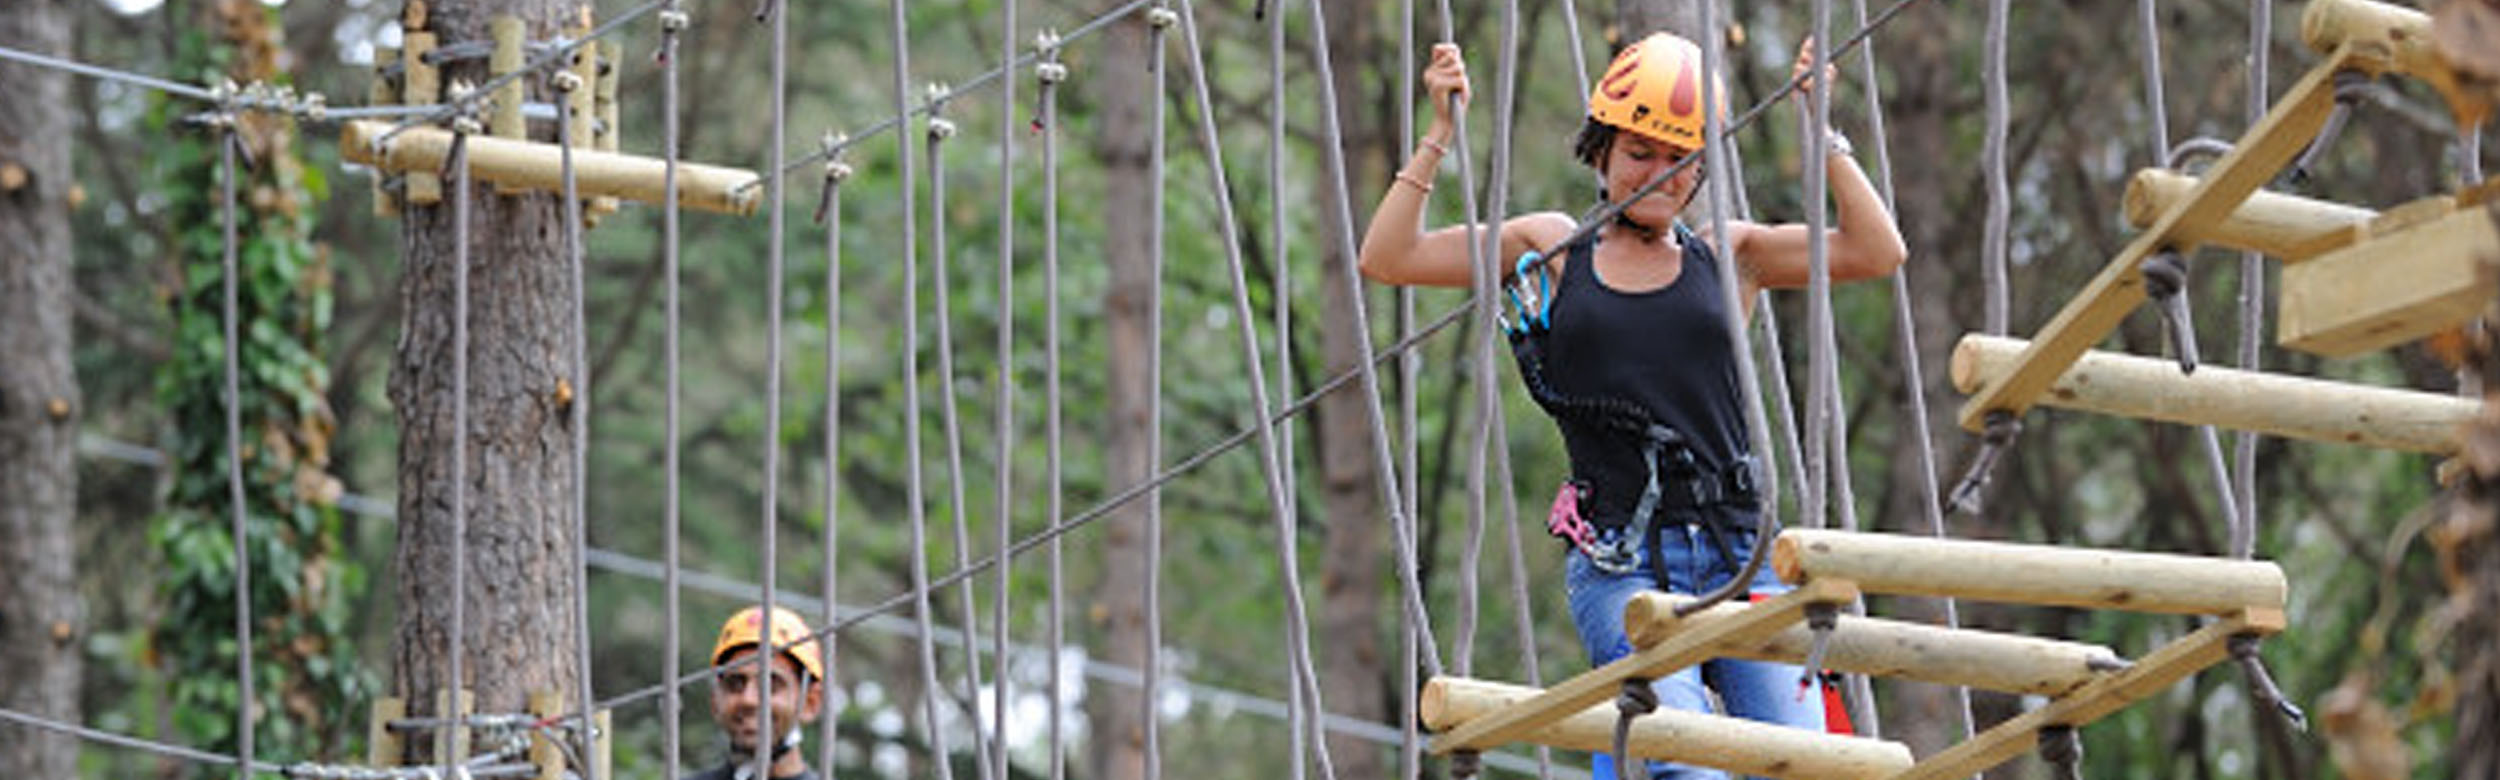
(1809, 441)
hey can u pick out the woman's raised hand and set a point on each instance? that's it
(1805, 55)
(1445, 75)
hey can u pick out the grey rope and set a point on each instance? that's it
(1410, 402)
(1483, 244)
(1369, 380)
(1158, 64)
(1993, 246)
(226, 142)
(778, 197)
(1505, 100)
(1307, 692)
(135, 743)
(835, 172)
(915, 490)
(1300, 726)
(573, 254)
(2252, 295)
(1005, 446)
(1905, 321)
(903, 108)
(459, 413)
(672, 20)
(2154, 102)
(1049, 74)
(42, 60)
(1822, 371)
(941, 271)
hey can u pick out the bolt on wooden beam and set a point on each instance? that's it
(1746, 747)
(2292, 407)
(534, 166)
(1876, 647)
(2028, 573)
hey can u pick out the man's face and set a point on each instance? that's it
(737, 703)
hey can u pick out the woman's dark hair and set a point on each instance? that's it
(1589, 145)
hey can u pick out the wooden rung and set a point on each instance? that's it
(1877, 647)
(2151, 675)
(2392, 38)
(2091, 314)
(1588, 688)
(2028, 573)
(2391, 289)
(2285, 226)
(2273, 404)
(536, 166)
(1741, 746)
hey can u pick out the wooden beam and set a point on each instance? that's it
(1877, 647)
(422, 87)
(2149, 676)
(1741, 746)
(2292, 407)
(531, 165)
(503, 117)
(1596, 685)
(2091, 314)
(2028, 573)
(2392, 289)
(2285, 226)
(2392, 38)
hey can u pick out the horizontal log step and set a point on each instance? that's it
(2029, 574)
(1876, 647)
(1744, 747)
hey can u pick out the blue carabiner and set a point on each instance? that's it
(1535, 305)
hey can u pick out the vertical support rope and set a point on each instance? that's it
(1506, 106)
(778, 196)
(1822, 370)
(1368, 379)
(241, 512)
(1158, 64)
(459, 423)
(2156, 105)
(2252, 293)
(672, 20)
(916, 490)
(942, 271)
(1993, 245)
(1299, 723)
(580, 420)
(1003, 485)
(1483, 241)
(836, 171)
(1410, 407)
(1905, 322)
(1049, 74)
(1297, 623)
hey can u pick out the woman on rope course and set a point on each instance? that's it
(1623, 339)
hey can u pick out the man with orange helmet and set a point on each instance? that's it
(1622, 335)
(797, 679)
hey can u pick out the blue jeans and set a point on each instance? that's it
(1690, 562)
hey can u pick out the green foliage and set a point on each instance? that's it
(310, 685)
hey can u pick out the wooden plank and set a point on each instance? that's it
(503, 119)
(1908, 565)
(2393, 288)
(384, 92)
(2149, 676)
(1745, 747)
(544, 752)
(1877, 647)
(1597, 685)
(2091, 314)
(383, 747)
(423, 86)
(2285, 226)
(2273, 404)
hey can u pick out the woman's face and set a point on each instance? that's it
(1632, 161)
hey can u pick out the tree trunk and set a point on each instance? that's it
(520, 599)
(1357, 679)
(39, 402)
(1122, 141)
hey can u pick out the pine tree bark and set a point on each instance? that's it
(1359, 678)
(40, 610)
(520, 596)
(1122, 141)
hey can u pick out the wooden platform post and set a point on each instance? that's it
(2157, 671)
(1877, 647)
(2273, 404)
(422, 85)
(1596, 685)
(531, 165)
(1741, 746)
(503, 118)
(383, 747)
(2393, 288)
(2285, 226)
(2028, 574)
(2091, 314)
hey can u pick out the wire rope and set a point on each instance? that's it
(836, 171)
(672, 21)
(915, 490)
(942, 271)
(579, 511)
(460, 207)
(240, 513)
(1483, 242)
(1003, 484)
(1300, 726)
(1048, 75)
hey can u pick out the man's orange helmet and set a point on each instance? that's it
(789, 632)
(1654, 88)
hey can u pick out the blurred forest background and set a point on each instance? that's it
(2370, 653)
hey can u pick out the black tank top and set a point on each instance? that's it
(1664, 350)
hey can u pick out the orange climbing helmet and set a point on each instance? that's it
(789, 632)
(1654, 88)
